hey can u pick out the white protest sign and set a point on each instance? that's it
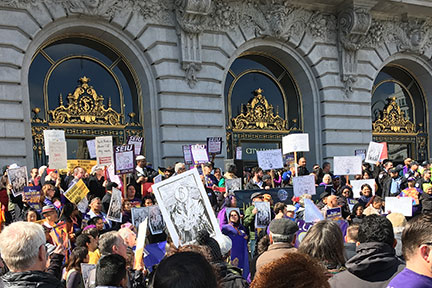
(304, 185)
(104, 150)
(199, 154)
(91, 148)
(298, 142)
(57, 155)
(270, 159)
(140, 243)
(374, 152)
(263, 216)
(124, 159)
(187, 155)
(401, 205)
(347, 165)
(357, 184)
(214, 145)
(51, 136)
(311, 212)
(115, 208)
(137, 141)
(239, 153)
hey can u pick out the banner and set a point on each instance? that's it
(104, 150)
(199, 154)
(270, 159)
(304, 185)
(57, 155)
(298, 142)
(52, 136)
(124, 159)
(32, 196)
(76, 192)
(347, 165)
(214, 145)
(85, 164)
(137, 141)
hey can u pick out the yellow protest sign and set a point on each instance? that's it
(86, 164)
(77, 192)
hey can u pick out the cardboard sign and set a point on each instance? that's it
(399, 205)
(347, 165)
(57, 155)
(374, 152)
(187, 154)
(137, 141)
(91, 145)
(185, 207)
(295, 143)
(199, 154)
(32, 196)
(356, 186)
(361, 153)
(239, 153)
(104, 150)
(263, 216)
(52, 136)
(334, 213)
(270, 159)
(214, 145)
(124, 159)
(85, 164)
(115, 208)
(76, 192)
(304, 185)
(311, 212)
(18, 178)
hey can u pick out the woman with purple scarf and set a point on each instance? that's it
(229, 202)
(239, 237)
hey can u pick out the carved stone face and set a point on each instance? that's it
(92, 3)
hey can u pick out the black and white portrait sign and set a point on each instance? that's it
(115, 208)
(18, 179)
(138, 215)
(185, 207)
(374, 152)
(263, 216)
(156, 223)
(232, 185)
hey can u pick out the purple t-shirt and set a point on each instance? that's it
(409, 279)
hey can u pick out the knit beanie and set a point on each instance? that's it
(204, 239)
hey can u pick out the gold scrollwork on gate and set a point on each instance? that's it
(392, 120)
(85, 106)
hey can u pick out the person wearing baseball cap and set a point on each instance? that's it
(49, 212)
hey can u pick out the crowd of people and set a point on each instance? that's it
(366, 246)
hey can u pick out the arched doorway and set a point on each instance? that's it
(399, 114)
(85, 87)
(263, 104)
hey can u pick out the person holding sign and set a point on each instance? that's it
(96, 211)
(414, 193)
(301, 169)
(141, 175)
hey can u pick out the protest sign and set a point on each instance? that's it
(187, 154)
(139, 215)
(137, 141)
(185, 207)
(232, 185)
(87, 165)
(384, 152)
(263, 216)
(357, 184)
(214, 145)
(374, 152)
(296, 142)
(32, 196)
(18, 178)
(115, 207)
(124, 159)
(334, 213)
(52, 136)
(239, 153)
(351, 204)
(76, 192)
(91, 146)
(199, 154)
(301, 233)
(85, 272)
(113, 177)
(304, 185)
(104, 150)
(59, 235)
(270, 159)
(401, 205)
(57, 155)
(311, 212)
(140, 243)
(347, 165)
(361, 153)
(157, 179)
(156, 223)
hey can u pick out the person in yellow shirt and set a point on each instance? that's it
(88, 239)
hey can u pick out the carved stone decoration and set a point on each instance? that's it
(354, 23)
(392, 120)
(85, 106)
(259, 116)
(190, 15)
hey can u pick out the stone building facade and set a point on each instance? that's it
(178, 60)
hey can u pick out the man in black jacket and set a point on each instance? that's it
(22, 246)
(375, 262)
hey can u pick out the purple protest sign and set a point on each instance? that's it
(124, 159)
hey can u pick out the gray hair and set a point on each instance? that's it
(20, 243)
(282, 238)
(178, 166)
(107, 241)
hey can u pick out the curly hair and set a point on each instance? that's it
(292, 270)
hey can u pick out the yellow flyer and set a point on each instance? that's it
(77, 192)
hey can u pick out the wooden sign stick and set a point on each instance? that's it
(295, 163)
